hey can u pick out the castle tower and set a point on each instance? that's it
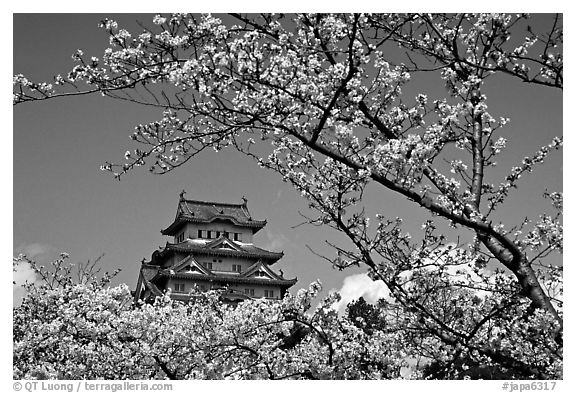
(212, 249)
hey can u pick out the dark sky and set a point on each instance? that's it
(63, 202)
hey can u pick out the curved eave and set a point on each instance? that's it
(238, 280)
(273, 256)
(234, 296)
(148, 283)
(159, 256)
(173, 228)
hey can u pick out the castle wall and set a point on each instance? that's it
(190, 230)
(224, 264)
(253, 290)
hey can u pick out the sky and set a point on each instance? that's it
(62, 202)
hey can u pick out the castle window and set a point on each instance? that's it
(199, 233)
(249, 291)
(179, 287)
(207, 264)
(237, 237)
(209, 235)
(237, 268)
(180, 238)
(217, 234)
(268, 293)
(226, 235)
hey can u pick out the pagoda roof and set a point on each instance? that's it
(207, 212)
(261, 270)
(221, 247)
(258, 273)
(148, 271)
(147, 274)
(229, 278)
(190, 265)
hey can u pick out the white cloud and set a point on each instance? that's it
(360, 285)
(37, 251)
(34, 250)
(23, 274)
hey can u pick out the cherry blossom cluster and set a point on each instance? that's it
(78, 331)
(93, 331)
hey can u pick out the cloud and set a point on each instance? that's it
(360, 285)
(22, 274)
(34, 250)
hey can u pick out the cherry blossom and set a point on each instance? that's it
(319, 99)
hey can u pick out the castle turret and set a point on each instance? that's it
(212, 248)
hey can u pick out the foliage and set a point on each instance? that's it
(365, 316)
(60, 273)
(318, 99)
(84, 331)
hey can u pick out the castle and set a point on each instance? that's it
(212, 249)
